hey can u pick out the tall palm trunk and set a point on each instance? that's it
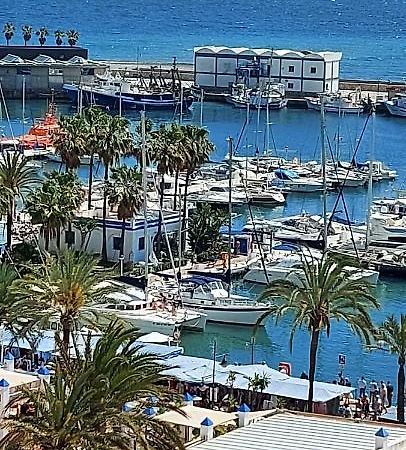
(314, 343)
(160, 219)
(401, 391)
(10, 214)
(175, 194)
(58, 238)
(66, 323)
(104, 245)
(47, 238)
(90, 183)
(188, 173)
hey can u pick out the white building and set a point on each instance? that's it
(293, 431)
(304, 72)
(134, 243)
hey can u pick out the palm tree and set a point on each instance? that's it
(42, 34)
(197, 147)
(27, 33)
(392, 333)
(54, 203)
(124, 190)
(59, 35)
(326, 293)
(7, 276)
(85, 225)
(73, 37)
(116, 141)
(94, 124)
(8, 31)
(69, 142)
(85, 409)
(66, 286)
(17, 177)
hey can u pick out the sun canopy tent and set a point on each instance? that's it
(200, 370)
(193, 416)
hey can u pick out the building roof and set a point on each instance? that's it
(194, 417)
(16, 379)
(44, 60)
(244, 51)
(289, 431)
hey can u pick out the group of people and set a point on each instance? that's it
(377, 391)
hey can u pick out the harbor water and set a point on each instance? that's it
(370, 34)
(293, 133)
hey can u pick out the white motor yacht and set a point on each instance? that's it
(152, 315)
(288, 265)
(210, 296)
(336, 103)
(397, 105)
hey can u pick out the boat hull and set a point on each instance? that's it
(128, 101)
(230, 314)
(334, 109)
(395, 110)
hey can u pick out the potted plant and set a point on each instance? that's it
(42, 34)
(27, 33)
(73, 37)
(59, 34)
(8, 31)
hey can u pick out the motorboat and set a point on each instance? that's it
(336, 103)
(396, 106)
(286, 264)
(155, 314)
(290, 181)
(271, 96)
(211, 296)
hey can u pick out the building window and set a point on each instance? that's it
(116, 243)
(290, 85)
(141, 243)
(69, 237)
(326, 86)
(23, 70)
(291, 69)
(313, 70)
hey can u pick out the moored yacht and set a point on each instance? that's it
(397, 105)
(336, 103)
(211, 296)
(152, 315)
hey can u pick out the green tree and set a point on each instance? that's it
(66, 286)
(117, 140)
(54, 203)
(85, 409)
(7, 276)
(124, 190)
(8, 31)
(85, 225)
(197, 147)
(73, 37)
(59, 35)
(69, 142)
(16, 177)
(204, 232)
(42, 34)
(27, 33)
(392, 333)
(326, 293)
(94, 125)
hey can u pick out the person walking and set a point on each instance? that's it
(383, 394)
(362, 386)
(373, 390)
(389, 387)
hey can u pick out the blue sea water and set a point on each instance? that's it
(371, 34)
(296, 134)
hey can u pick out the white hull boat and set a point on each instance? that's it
(337, 104)
(397, 105)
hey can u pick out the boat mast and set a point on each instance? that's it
(145, 204)
(201, 107)
(23, 104)
(369, 205)
(230, 210)
(323, 168)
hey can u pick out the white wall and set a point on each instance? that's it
(276, 62)
(203, 79)
(227, 65)
(297, 65)
(205, 64)
(336, 69)
(329, 69)
(292, 84)
(307, 69)
(313, 86)
(225, 80)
